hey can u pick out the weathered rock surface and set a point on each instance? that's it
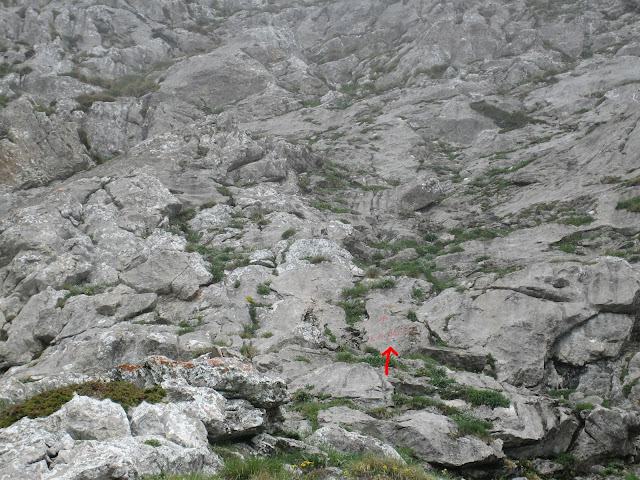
(65, 446)
(351, 442)
(304, 180)
(605, 432)
(359, 382)
(433, 437)
(229, 376)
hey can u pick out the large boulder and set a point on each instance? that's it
(60, 446)
(518, 330)
(229, 376)
(85, 418)
(533, 427)
(434, 438)
(351, 442)
(169, 421)
(130, 458)
(600, 337)
(169, 272)
(606, 433)
(359, 382)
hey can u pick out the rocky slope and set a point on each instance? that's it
(305, 183)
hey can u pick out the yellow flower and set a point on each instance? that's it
(384, 467)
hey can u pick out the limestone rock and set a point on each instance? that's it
(534, 427)
(85, 418)
(433, 438)
(360, 382)
(231, 377)
(603, 336)
(169, 272)
(352, 442)
(167, 421)
(606, 432)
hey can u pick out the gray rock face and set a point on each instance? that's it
(606, 431)
(65, 445)
(351, 442)
(231, 377)
(168, 421)
(534, 427)
(433, 437)
(359, 382)
(601, 337)
(565, 324)
(302, 180)
(84, 418)
(169, 272)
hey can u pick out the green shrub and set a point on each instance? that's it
(152, 442)
(185, 330)
(289, 232)
(346, 357)
(562, 393)
(86, 100)
(263, 289)
(579, 407)
(224, 191)
(490, 398)
(566, 459)
(469, 425)
(417, 294)
(248, 350)
(354, 310)
(383, 284)
(354, 292)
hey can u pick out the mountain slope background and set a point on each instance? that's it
(306, 183)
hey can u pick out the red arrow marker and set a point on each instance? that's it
(388, 353)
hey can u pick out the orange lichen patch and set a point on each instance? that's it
(129, 368)
(171, 363)
(217, 362)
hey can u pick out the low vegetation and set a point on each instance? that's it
(632, 205)
(125, 86)
(43, 404)
(507, 121)
(310, 466)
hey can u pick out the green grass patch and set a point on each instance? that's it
(579, 407)
(632, 205)
(309, 408)
(224, 191)
(469, 425)
(288, 233)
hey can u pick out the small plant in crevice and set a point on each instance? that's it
(263, 289)
(290, 232)
(248, 350)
